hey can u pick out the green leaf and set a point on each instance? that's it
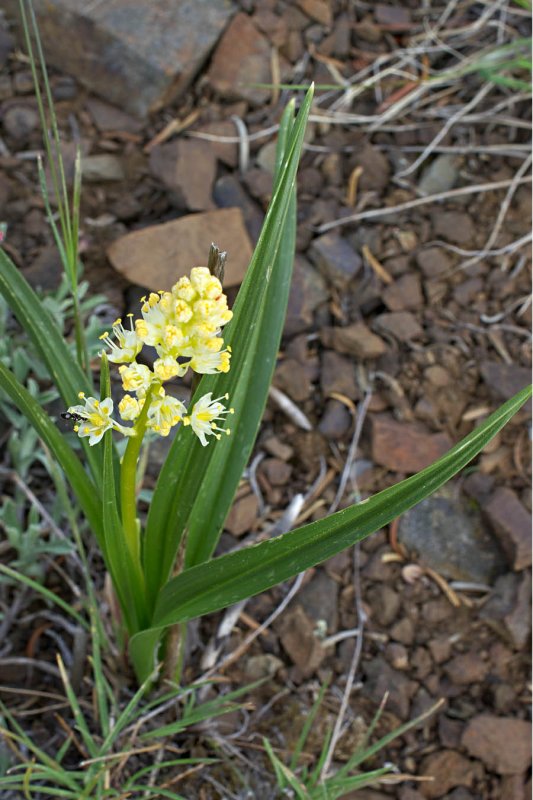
(83, 487)
(236, 576)
(196, 485)
(49, 343)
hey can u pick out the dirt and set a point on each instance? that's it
(405, 305)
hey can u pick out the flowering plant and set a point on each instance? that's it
(162, 567)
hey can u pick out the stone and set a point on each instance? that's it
(467, 668)
(226, 152)
(229, 193)
(241, 59)
(468, 291)
(319, 599)
(336, 260)
(19, 120)
(404, 294)
(258, 668)
(453, 226)
(440, 648)
(393, 19)
(276, 471)
(400, 324)
(433, 261)
(291, 377)
(505, 380)
(187, 167)
(385, 604)
(511, 523)
(397, 655)
(405, 447)
(380, 678)
(508, 608)
(449, 535)
(337, 374)
(440, 176)
(243, 515)
(156, 256)
(502, 743)
(319, 10)
(108, 118)
(403, 631)
(355, 340)
(297, 635)
(266, 157)
(336, 420)
(277, 448)
(448, 770)
(102, 168)
(376, 168)
(307, 293)
(139, 56)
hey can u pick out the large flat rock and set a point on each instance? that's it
(156, 256)
(138, 55)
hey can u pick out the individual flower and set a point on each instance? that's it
(129, 344)
(129, 407)
(167, 368)
(204, 416)
(94, 419)
(164, 413)
(136, 378)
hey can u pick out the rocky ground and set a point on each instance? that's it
(415, 321)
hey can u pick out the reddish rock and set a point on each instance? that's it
(299, 641)
(241, 59)
(291, 377)
(502, 743)
(433, 261)
(355, 340)
(227, 152)
(512, 524)
(155, 257)
(454, 226)
(405, 293)
(393, 19)
(467, 668)
(376, 167)
(448, 769)
(319, 10)
(277, 472)
(337, 374)
(400, 324)
(243, 515)
(187, 168)
(405, 448)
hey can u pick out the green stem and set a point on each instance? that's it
(128, 482)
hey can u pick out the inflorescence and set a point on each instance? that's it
(184, 327)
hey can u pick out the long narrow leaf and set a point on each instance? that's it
(236, 576)
(81, 484)
(48, 341)
(204, 479)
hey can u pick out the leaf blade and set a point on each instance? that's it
(254, 569)
(206, 477)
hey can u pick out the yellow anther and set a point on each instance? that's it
(117, 322)
(81, 395)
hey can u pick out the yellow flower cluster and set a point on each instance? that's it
(184, 327)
